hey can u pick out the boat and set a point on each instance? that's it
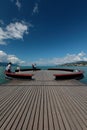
(18, 75)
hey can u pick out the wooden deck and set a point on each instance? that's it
(43, 104)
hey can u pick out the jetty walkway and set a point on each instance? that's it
(43, 103)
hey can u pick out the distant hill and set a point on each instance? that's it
(78, 63)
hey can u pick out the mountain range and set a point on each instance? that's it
(78, 63)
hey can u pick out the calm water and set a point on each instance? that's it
(3, 79)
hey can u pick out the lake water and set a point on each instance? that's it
(5, 80)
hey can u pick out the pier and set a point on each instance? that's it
(43, 103)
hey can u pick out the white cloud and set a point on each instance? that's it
(71, 58)
(18, 4)
(16, 30)
(1, 22)
(4, 57)
(35, 9)
(13, 31)
(66, 59)
(14, 59)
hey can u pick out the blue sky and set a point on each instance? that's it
(45, 32)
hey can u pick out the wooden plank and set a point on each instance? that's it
(53, 111)
(19, 111)
(50, 116)
(58, 112)
(46, 119)
(68, 112)
(31, 111)
(43, 104)
(41, 113)
(22, 123)
(75, 108)
(11, 109)
(38, 109)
